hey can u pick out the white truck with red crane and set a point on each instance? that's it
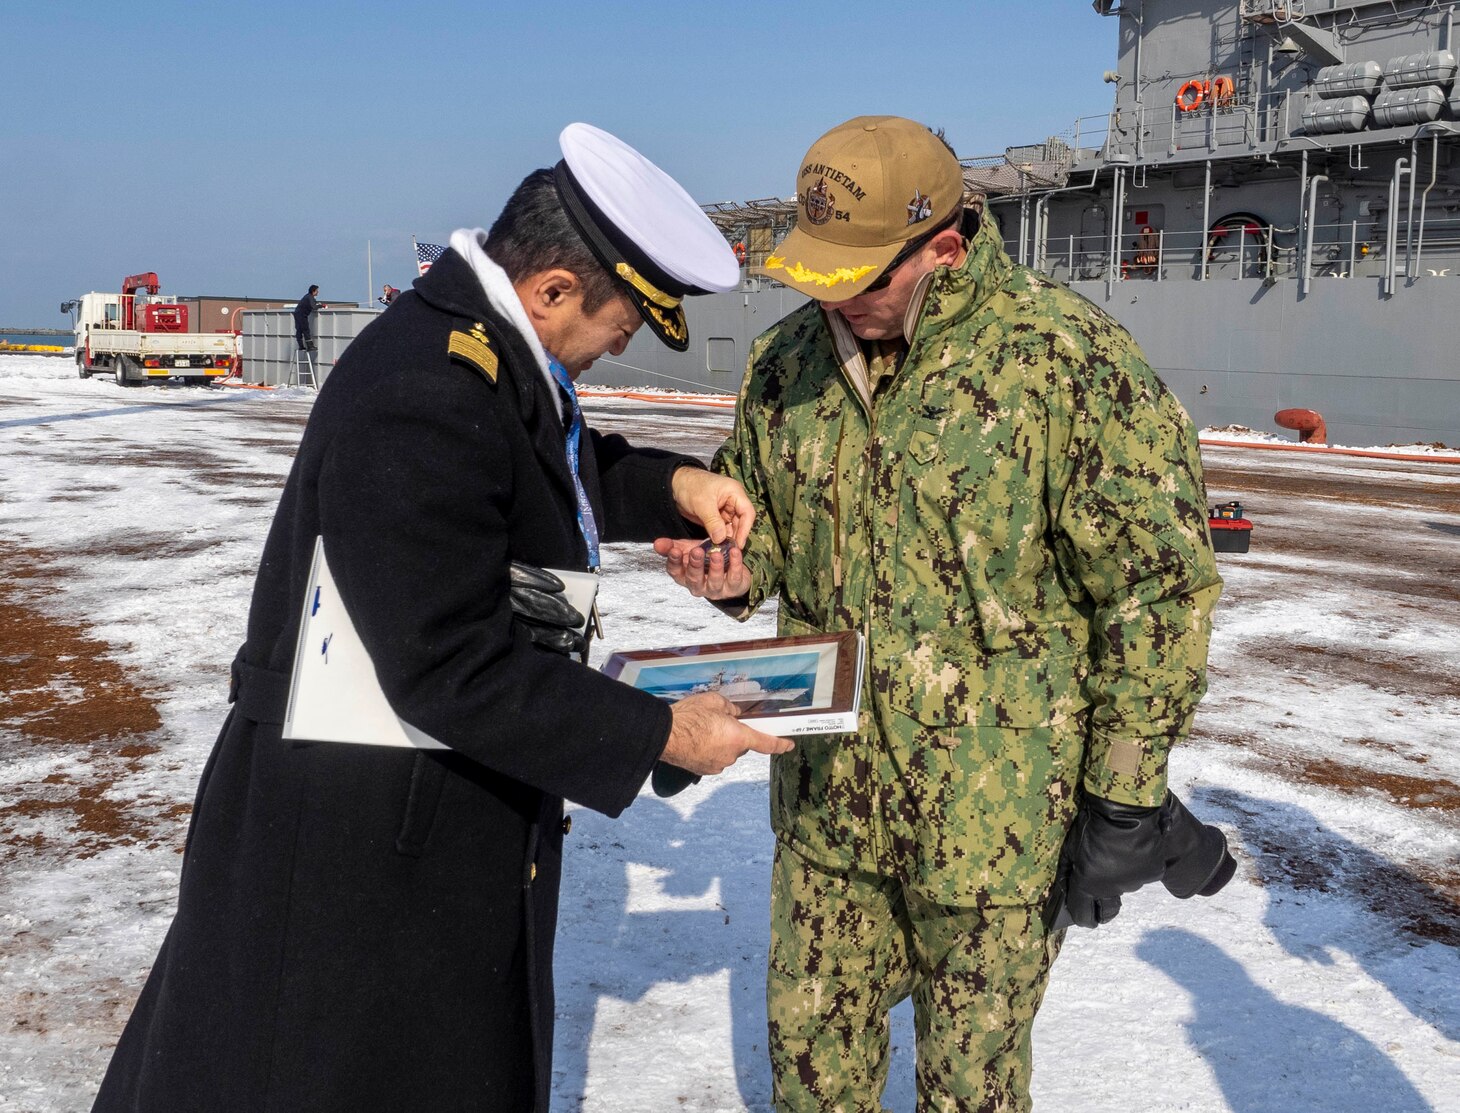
(140, 335)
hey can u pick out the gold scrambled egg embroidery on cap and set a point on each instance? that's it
(797, 273)
(475, 348)
(675, 330)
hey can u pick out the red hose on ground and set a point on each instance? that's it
(716, 401)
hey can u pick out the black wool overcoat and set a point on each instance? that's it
(370, 928)
(303, 309)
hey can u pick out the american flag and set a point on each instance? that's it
(426, 254)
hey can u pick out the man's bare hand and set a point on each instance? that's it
(707, 572)
(716, 502)
(707, 738)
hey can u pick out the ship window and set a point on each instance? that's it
(720, 354)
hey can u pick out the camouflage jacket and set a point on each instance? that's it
(1014, 516)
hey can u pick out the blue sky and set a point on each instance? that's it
(251, 149)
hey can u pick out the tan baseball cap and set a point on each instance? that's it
(865, 189)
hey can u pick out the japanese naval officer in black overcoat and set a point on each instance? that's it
(368, 927)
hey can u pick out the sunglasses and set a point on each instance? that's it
(911, 248)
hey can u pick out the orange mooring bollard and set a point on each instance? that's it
(1309, 424)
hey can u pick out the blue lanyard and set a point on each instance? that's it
(587, 526)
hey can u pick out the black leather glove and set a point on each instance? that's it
(539, 607)
(1113, 849)
(1198, 863)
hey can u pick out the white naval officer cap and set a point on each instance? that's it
(643, 227)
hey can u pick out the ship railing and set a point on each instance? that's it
(1019, 171)
(1234, 123)
(1363, 248)
(1175, 255)
(1092, 132)
(1441, 248)
(1157, 131)
(1347, 249)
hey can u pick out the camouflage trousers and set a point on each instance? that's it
(847, 947)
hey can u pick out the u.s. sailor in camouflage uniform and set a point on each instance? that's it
(975, 467)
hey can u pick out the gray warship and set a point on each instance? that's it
(1271, 206)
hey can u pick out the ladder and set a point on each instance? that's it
(304, 367)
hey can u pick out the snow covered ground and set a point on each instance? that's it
(1325, 978)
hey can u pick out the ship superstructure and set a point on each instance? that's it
(1271, 206)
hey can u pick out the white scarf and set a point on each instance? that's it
(469, 243)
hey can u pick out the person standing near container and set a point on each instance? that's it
(977, 469)
(307, 307)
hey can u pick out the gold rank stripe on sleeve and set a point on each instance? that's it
(474, 348)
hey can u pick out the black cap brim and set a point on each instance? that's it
(668, 325)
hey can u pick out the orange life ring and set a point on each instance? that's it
(1222, 90)
(1198, 92)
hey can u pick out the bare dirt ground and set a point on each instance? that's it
(59, 690)
(63, 692)
(1379, 543)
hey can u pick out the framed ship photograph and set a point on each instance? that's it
(809, 684)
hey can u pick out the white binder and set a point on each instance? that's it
(334, 695)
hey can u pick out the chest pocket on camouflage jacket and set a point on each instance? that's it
(973, 541)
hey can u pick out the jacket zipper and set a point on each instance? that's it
(836, 512)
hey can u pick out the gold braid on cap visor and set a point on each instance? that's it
(647, 288)
(675, 330)
(797, 273)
